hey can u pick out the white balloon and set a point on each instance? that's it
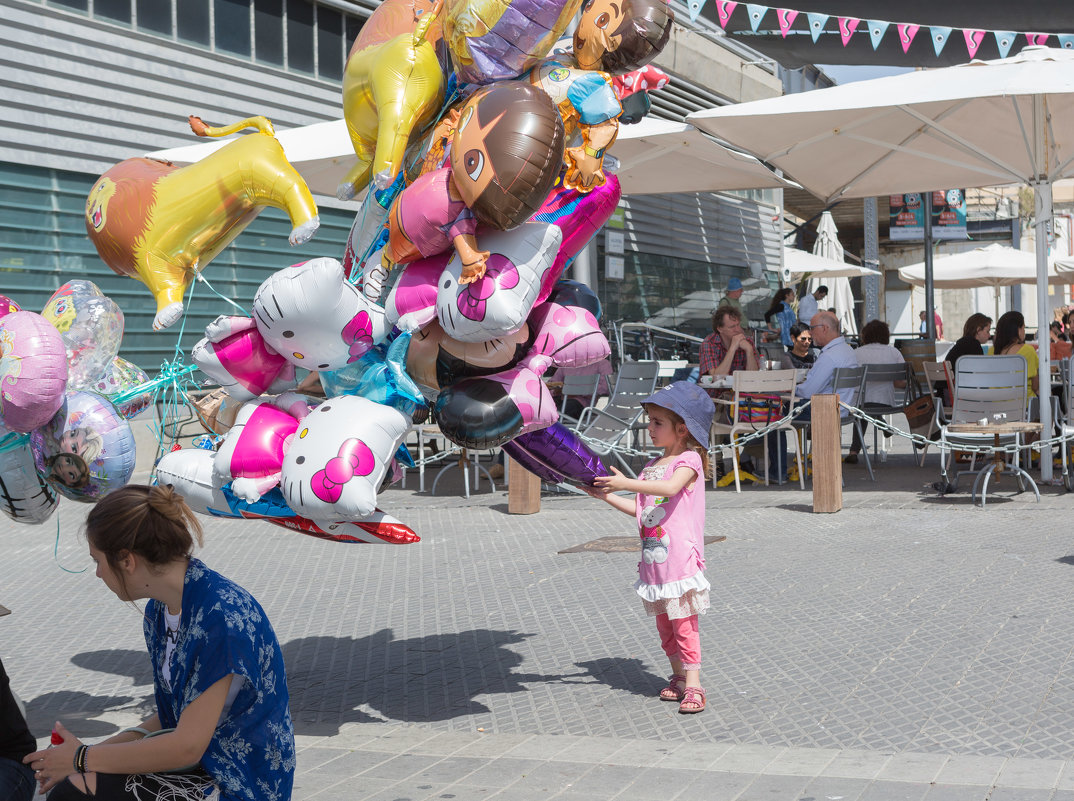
(24, 495)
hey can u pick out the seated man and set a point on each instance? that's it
(727, 349)
(834, 352)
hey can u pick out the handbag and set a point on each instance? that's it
(921, 414)
(759, 410)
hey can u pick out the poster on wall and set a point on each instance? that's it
(906, 216)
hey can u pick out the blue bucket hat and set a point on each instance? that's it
(733, 284)
(691, 403)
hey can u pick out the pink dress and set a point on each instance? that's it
(671, 573)
(425, 219)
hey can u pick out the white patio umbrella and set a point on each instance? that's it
(840, 295)
(798, 263)
(986, 123)
(654, 156)
(995, 266)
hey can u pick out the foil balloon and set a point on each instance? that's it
(91, 325)
(33, 370)
(190, 472)
(252, 452)
(566, 331)
(339, 457)
(486, 412)
(315, 318)
(162, 224)
(435, 360)
(120, 377)
(393, 85)
(495, 39)
(235, 355)
(24, 495)
(379, 376)
(411, 304)
(7, 305)
(86, 450)
(556, 454)
(498, 302)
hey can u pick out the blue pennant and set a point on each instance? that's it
(695, 7)
(816, 24)
(877, 29)
(756, 13)
(939, 37)
(1066, 40)
(1004, 41)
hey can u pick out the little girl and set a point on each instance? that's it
(670, 510)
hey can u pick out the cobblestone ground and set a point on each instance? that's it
(906, 647)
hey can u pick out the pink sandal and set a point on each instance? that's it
(693, 701)
(674, 690)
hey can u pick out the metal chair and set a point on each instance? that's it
(605, 428)
(1066, 422)
(578, 385)
(749, 384)
(985, 386)
(883, 375)
(852, 379)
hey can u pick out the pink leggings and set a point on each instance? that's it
(679, 638)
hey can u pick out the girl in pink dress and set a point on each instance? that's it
(670, 510)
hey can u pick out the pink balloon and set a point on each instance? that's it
(33, 370)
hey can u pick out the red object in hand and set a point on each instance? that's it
(56, 738)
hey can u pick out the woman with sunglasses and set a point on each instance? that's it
(800, 356)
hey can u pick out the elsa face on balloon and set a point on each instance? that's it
(77, 448)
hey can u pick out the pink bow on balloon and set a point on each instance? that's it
(354, 459)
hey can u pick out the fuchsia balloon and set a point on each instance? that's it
(241, 362)
(33, 370)
(7, 305)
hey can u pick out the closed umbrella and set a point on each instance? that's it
(986, 123)
(839, 293)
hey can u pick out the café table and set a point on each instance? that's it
(999, 465)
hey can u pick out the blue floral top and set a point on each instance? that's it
(224, 630)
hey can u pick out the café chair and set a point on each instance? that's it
(880, 374)
(853, 378)
(606, 429)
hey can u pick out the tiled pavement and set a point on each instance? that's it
(907, 647)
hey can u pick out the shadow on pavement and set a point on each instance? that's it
(623, 674)
(76, 710)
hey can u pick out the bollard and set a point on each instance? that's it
(827, 454)
(523, 490)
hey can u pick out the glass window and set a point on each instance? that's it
(79, 5)
(115, 10)
(329, 43)
(231, 23)
(354, 27)
(300, 36)
(268, 31)
(192, 20)
(155, 15)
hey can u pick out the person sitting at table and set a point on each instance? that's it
(975, 334)
(834, 352)
(780, 316)
(800, 356)
(727, 349)
(1010, 340)
(1060, 346)
(875, 348)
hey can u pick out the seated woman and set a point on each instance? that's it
(975, 334)
(800, 356)
(1011, 339)
(875, 348)
(221, 692)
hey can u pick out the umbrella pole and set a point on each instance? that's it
(930, 306)
(1043, 208)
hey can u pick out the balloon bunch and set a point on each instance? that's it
(58, 370)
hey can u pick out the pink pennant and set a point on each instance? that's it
(724, 9)
(786, 19)
(906, 34)
(973, 40)
(1032, 38)
(847, 26)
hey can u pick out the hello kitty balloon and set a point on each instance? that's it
(315, 318)
(338, 458)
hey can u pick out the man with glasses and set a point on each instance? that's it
(834, 352)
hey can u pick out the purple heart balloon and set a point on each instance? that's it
(558, 454)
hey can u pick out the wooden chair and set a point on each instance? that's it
(749, 385)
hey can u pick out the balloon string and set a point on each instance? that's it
(12, 441)
(56, 550)
(212, 289)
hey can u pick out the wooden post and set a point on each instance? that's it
(523, 490)
(827, 454)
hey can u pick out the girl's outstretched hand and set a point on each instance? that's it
(613, 483)
(592, 492)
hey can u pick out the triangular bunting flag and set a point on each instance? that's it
(906, 34)
(723, 11)
(786, 18)
(1037, 38)
(695, 7)
(877, 29)
(847, 26)
(939, 37)
(1004, 40)
(1066, 40)
(816, 24)
(973, 41)
(756, 13)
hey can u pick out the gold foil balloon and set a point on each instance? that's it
(162, 224)
(393, 86)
